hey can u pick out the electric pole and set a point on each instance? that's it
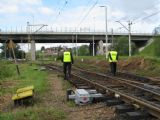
(106, 30)
(129, 27)
(129, 34)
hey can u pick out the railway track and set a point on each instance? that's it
(143, 93)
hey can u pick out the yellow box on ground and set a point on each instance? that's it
(28, 88)
(22, 95)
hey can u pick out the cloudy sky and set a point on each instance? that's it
(79, 14)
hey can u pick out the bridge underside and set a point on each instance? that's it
(67, 38)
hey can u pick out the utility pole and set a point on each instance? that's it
(106, 30)
(93, 46)
(112, 37)
(129, 27)
(93, 36)
(29, 36)
(129, 34)
(76, 46)
(6, 49)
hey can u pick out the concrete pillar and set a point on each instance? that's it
(100, 50)
(91, 49)
(33, 50)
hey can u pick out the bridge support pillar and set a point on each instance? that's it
(33, 50)
(91, 49)
(100, 50)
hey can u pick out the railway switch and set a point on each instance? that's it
(83, 96)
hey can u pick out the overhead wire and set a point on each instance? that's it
(85, 9)
(140, 15)
(153, 14)
(87, 13)
(139, 18)
(60, 11)
(85, 16)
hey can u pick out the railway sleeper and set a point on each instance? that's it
(134, 115)
(121, 109)
(137, 115)
(114, 102)
(130, 112)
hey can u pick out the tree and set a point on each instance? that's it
(83, 50)
(121, 45)
(6, 52)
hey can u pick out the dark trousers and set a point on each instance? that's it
(67, 69)
(113, 66)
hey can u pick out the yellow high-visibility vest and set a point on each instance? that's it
(113, 56)
(66, 57)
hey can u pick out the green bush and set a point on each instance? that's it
(83, 50)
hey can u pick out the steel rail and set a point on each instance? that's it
(121, 80)
(128, 82)
(153, 109)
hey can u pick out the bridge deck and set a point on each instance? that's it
(67, 37)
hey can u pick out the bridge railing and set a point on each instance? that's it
(69, 30)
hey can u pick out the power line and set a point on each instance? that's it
(85, 9)
(142, 13)
(150, 7)
(60, 11)
(87, 13)
(153, 14)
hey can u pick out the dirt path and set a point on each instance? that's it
(56, 97)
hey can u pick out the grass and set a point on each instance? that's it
(151, 69)
(154, 67)
(35, 113)
(152, 49)
(29, 76)
(66, 85)
(71, 103)
(6, 69)
(148, 51)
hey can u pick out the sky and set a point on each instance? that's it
(84, 15)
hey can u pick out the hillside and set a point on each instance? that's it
(152, 49)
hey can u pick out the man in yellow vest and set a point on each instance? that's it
(67, 60)
(113, 58)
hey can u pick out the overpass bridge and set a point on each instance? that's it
(140, 39)
(68, 37)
